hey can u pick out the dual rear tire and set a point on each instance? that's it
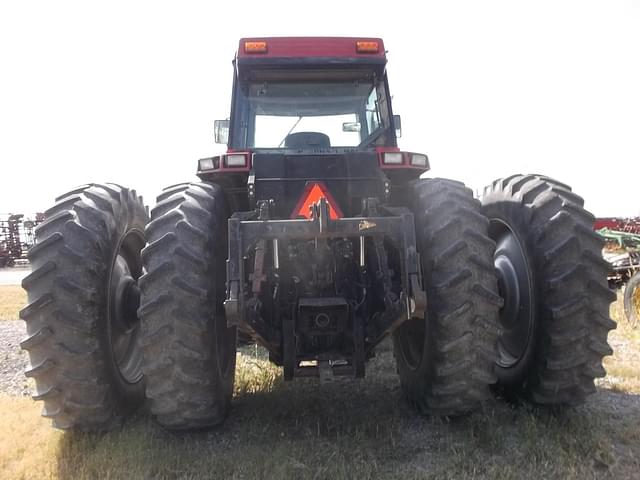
(107, 324)
(517, 297)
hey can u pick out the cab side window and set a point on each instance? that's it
(371, 110)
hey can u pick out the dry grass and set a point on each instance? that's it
(346, 429)
(12, 299)
(623, 368)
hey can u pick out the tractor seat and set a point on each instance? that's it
(307, 139)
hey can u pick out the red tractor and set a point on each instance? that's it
(318, 237)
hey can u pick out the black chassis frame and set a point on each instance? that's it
(251, 230)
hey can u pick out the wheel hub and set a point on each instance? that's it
(127, 301)
(124, 300)
(515, 285)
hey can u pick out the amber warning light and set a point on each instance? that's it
(312, 195)
(367, 47)
(255, 47)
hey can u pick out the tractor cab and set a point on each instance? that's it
(311, 108)
(290, 94)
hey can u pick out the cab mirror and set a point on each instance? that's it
(221, 133)
(397, 123)
(350, 127)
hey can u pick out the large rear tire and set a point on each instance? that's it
(81, 318)
(189, 353)
(446, 360)
(554, 283)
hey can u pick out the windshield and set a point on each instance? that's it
(282, 114)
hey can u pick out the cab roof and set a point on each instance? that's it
(311, 51)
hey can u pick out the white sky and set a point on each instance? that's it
(127, 91)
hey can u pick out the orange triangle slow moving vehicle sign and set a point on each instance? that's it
(313, 192)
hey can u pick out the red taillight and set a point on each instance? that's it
(312, 195)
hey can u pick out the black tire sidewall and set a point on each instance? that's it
(416, 379)
(218, 291)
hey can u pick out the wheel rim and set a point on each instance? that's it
(514, 284)
(412, 342)
(124, 299)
